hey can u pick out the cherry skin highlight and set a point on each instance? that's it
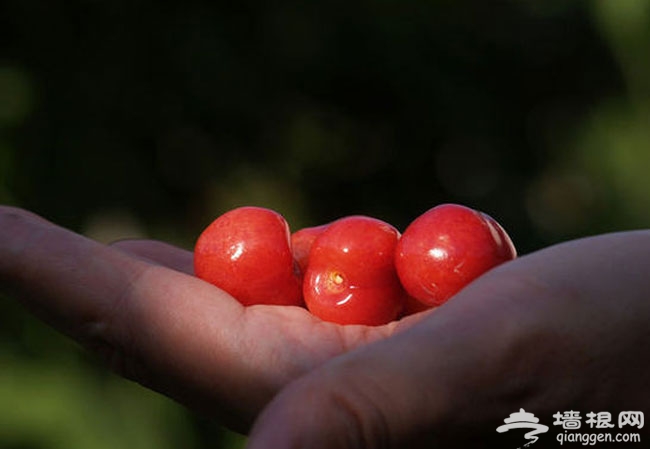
(351, 278)
(247, 253)
(446, 248)
(301, 243)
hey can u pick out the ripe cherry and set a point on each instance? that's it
(351, 278)
(301, 243)
(446, 248)
(412, 306)
(247, 253)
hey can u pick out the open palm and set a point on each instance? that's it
(138, 305)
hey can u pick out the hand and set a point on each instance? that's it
(566, 328)
(138, 305)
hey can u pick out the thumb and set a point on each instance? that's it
(561, 329)
(411, 390)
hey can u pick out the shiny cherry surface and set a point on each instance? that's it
(351, 276)
(446, 248)
(247, 253)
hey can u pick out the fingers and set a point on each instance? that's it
(73, 282)
(161, 327)
(167, 330)
(561, 329)
(158, 252)
(64, 277)
(405, 391)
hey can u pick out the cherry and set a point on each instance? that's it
(447, 247)
(301, 243)
(412, 306)
(247, 253)
(351, 278)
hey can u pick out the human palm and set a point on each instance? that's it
(138, 305)
(564, 328)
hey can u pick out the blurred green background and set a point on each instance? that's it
(141, 118)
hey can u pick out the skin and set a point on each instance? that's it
(139, 307)
(565, 328)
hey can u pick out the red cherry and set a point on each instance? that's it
(413, 306)
(301, 243)
(446, 248)
(247, 253)
(351, 276)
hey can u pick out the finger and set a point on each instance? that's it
(542, 333)
(165, 329)
(64, 277)
(71, 280)
(158, 252)
(169, 331)
(400, 392)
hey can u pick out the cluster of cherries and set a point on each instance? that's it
(355, 270)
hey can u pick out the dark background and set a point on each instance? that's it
(141, 118)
